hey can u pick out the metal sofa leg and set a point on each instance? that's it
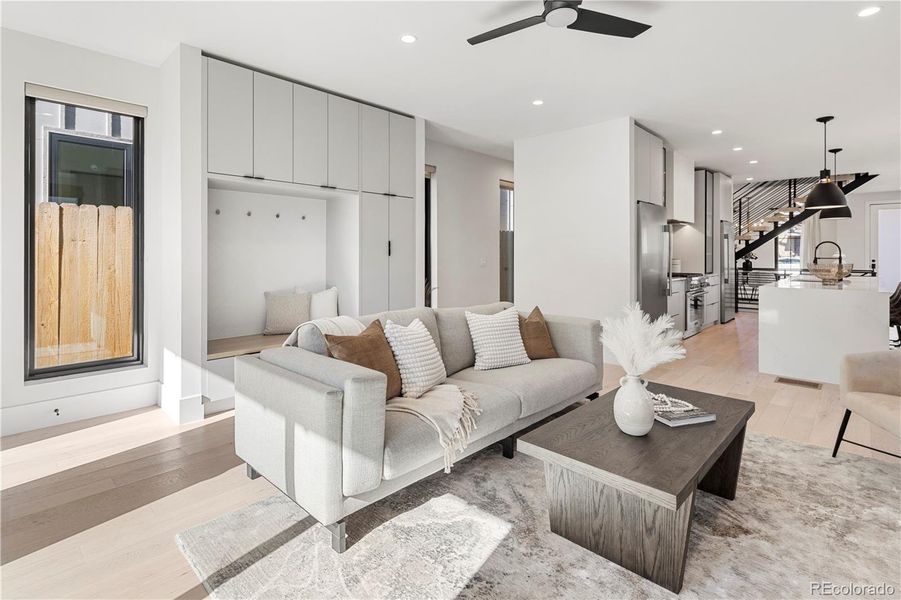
(339, 536)
(841, 431)
(509, 446)
(593, 396)
(251, 473)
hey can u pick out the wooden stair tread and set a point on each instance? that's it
(746, 236)
(775, 219)
(760, 228)
(241, 345)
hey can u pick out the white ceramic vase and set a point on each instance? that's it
(633, 408)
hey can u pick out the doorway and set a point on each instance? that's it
(430, 238)
(506, 241)
(885, 239)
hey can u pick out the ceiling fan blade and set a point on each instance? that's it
(512, 27)
(595, 22)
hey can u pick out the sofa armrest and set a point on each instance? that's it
(363, 416)
(288, 428)
(579, 338)
(876, 372)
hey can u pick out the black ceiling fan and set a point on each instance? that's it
(566, 13)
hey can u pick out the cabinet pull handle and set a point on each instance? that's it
(389, 247)
(248, 176)
(324, 186)
(259, 177)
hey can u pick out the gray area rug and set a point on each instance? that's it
(800, 516)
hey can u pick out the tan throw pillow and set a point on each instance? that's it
(285, 310)
(536, 337)
(370, 349)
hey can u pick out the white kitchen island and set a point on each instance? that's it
(806, 327)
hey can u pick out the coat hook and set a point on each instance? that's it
(303, 218)
(248, 213)
(277, 215)
(218, 211)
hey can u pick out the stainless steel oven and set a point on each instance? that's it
(695, 299)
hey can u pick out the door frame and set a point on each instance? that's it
(871, 232)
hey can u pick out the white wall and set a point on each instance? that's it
(467, 185)
(27, 58)
(250, 255)
(575, 230)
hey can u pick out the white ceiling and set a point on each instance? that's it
(760, 71)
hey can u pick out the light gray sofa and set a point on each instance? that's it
(317, 428)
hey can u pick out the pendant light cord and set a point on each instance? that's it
(824, 146)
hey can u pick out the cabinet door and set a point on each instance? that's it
(402, 266)
(374, 269)
(229, 119)
(373, 150)
(343, 143)
(273, 137)
(402, 146)
(310, 136)
(656, 170)
(683, 196)
(641, 174)
(724, 197)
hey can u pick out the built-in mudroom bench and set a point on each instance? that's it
(306, 189)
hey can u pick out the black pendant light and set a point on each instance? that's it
(842, 212)
(825, 194)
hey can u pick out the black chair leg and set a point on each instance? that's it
(509, 446)
(841, 432)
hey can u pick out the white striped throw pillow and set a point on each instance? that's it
(417, 357)
(497, 340)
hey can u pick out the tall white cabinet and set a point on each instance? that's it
(648, 167)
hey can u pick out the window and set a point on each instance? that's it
(84, 267)
(506, 242)
(788, 251)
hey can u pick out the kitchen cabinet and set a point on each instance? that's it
(675, 304)
(402, 154)
(649, 167)
(680, 187)
(343, 143)
(723, 189)
(402, 252)
(310, 136)
(374, 149)
(273, 118)
(229, 119)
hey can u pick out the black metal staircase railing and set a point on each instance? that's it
(779, 203)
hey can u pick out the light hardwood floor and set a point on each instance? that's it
(91, 509)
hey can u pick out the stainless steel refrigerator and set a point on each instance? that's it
(654, 251)
(727, 272)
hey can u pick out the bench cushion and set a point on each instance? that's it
(539, 384)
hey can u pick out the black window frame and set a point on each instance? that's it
(137, 203)
(57, 136)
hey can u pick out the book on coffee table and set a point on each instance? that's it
(677, 413)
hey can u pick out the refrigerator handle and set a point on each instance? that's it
(668, 229)
(726, 248)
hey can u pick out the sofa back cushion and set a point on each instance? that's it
(405, 317)
(456, 344)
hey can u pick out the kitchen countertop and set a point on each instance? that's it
(849, 284)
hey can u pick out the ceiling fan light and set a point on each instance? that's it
(825, 194)
(842, 212)
(561, 17)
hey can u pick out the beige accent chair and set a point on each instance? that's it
(871, 388)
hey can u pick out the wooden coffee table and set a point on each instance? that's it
(630, 499)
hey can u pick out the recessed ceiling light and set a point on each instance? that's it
(537, 102)
(749, 179)
(716, 132)
(752, 162)
(408, 38)
(869, 11)
(737, 149)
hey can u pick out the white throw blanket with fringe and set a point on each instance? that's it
(342, 325)
(447, 408)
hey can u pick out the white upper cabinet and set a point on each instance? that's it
(402, 244)
(656, 170)
(273, 117)
(680, 188)
(374, 150)
(723, 186)
(310, 136)
(403, 155)
(343, 143)
(229, 119)
(641, 174)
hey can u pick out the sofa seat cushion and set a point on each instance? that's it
(411, 443)
(539, 384)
